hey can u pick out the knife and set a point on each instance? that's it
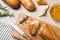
(19, 30)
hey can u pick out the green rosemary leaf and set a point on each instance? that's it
(24, 19)
(4, 14)
(4, 8)
(10, 15)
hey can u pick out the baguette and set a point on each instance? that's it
(13, 3)
(28, 4)
(47, 33)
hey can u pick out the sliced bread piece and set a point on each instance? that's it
(33, 27)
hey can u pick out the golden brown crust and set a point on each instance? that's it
(12, 3)
(42, 2)
(28, 4)
(47, 33)
(30, 27)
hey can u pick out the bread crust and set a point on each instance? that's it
(28, 4)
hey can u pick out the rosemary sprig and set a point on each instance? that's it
(5, 12)
(24, 19)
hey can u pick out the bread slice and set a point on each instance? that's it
(33, 27)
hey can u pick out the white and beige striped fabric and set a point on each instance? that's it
(5, 31)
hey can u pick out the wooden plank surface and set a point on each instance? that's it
(24, 27)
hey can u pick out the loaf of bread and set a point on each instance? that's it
(13, 3)
(28, 4)
(47, 33)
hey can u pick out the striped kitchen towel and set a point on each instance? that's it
(5, 31)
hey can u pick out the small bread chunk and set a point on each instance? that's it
(33, 27)
(42, 10)
(42, 2)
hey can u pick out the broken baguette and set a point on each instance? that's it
(33, 27)
(47, 33)
(28, 4)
